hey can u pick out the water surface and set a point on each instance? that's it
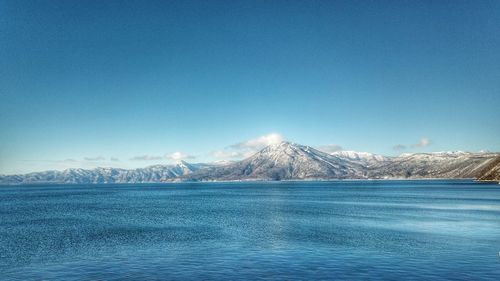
(275, 230)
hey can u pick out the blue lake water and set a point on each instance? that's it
(389, 230)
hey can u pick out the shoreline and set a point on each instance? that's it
(251, 181)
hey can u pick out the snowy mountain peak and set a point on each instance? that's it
(363, 156)
(281, 145)
(284, 160)
(285, 147)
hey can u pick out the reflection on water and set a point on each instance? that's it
(277, 230)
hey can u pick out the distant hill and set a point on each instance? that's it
(156, 173)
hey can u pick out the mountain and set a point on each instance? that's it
(456, 164)
(284, 161)
(289, 161)
(156, 173)
(365, 158)
(491, 172)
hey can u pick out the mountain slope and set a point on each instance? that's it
(156, 173)
(491, 172)
(284, 161)
(363, 158)
(432, 165)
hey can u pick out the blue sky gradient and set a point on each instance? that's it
(82, 82)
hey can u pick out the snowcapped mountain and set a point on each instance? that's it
(289, 161)
(456, 164)
(284, 161)
(156, 173)
(365, 158)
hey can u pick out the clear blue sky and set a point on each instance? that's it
(82, 82)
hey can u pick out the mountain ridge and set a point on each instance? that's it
(288, 161)
(491, 172)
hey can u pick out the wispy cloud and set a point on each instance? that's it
(329, 148)
(249, 147)
(84, 159)
(114, 159)
(227, 154)
(423, 142)
(171, 156)
(146, 158)
(399, 147)
(98, 158)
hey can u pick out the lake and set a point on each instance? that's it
(388, 230)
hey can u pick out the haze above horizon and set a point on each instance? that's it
(132, 83)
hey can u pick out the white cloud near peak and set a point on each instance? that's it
(178, 156)
(259, 142)
(249, 147)
(226, 154)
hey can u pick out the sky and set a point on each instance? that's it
(135, 83)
